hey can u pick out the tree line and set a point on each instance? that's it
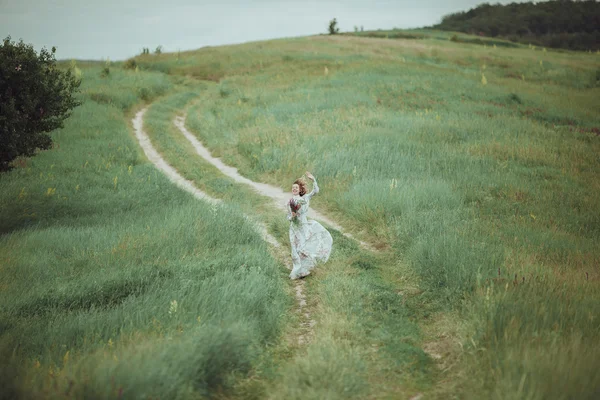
(565, 24)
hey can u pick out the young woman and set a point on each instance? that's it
(311, 243)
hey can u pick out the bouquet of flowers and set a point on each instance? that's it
(294, 206)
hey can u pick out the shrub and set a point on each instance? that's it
(333, 28)
(36, 98)
(130, 64)
(145, 93)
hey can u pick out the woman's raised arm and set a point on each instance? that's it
(315, 185)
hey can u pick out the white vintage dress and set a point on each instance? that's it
(310, 242)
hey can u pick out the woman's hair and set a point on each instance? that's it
(301, 185)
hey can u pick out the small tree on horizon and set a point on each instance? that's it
(36, 98)
(333, 28)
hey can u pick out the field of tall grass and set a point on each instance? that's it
(116, 284)
(471, 168)
(475, 165)
(364, 342)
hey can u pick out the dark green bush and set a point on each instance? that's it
(36, 98)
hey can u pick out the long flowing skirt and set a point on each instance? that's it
(311, 244)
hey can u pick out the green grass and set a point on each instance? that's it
(464, 181)
(96, 248)
(341, 351)
(483, 199)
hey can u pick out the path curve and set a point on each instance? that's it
(176, 178)
(161, 164)
(279, 196)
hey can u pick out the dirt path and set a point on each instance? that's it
(161, 164)
(279, 196)
(138, 125)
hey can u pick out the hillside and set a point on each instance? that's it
(571, 25)
(470, 172)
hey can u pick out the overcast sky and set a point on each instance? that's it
(118, 29)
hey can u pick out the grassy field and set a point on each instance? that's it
(472, 168)
(364, 338)
(475, 165)
(115, 284)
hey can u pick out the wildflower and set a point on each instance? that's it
(393, 184)
(110, 342)
(326, 71)
(173, 307)
(18, 68)
(50, 192)
(483, 80)
(77, 188)
(129, 169)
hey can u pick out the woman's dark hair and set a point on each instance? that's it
(301, 185)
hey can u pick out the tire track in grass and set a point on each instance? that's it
(138, 125)
(279, 198)
(276, 194)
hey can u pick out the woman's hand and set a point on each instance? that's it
(293, 214)
(310, 176)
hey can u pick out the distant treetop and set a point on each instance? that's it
(561, 23)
